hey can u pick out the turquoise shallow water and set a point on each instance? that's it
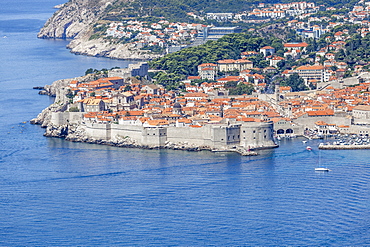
(54, 192)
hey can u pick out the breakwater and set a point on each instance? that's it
(343, 147)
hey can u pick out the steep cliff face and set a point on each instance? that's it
(73, 19)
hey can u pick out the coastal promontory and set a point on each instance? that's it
(73, 19)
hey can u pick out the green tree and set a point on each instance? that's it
(127, 88)
(241, 89)
(295, 82)
(231, 84)
(89, 71)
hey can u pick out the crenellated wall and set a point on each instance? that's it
(248, 135)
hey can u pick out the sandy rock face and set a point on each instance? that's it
(101, 48)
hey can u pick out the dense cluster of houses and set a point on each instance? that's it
(324, 67)
(113, 100)
(321, 71)
(273, 11)
(282, 10)
(110, 100)
(145, 34)
(301, 10)
(329, 111)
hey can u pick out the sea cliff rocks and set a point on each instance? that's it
(73, 18)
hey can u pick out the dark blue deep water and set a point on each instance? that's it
(58, 193)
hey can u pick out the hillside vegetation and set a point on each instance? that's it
(176, 10)
(185, 62)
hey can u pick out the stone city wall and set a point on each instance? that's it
(133, 131)
(62, 118)
(98, 131)
(198, 136)
(249, 135)
(309, 122)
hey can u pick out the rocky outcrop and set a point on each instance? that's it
(73, 19)
(57, 89)
(57, 131)
(101, 48)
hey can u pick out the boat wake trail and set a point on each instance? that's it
(110, 174)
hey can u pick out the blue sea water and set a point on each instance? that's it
(59, 193)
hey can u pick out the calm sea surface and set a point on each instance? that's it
(58, 193)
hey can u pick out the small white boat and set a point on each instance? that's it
(304, 141)
(309, 148)
(322, 169)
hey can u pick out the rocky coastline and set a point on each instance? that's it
(57, 89)
(75, 19)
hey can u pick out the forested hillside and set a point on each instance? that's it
(184, 63)
(174, 10)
